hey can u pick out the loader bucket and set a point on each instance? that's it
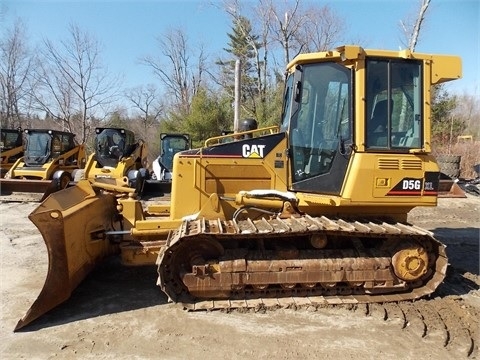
(449, 189)
(20, 190)
(73, 223)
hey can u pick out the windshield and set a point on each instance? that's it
(394, 104)
(322, 125)
(37, 150)
(109, 147)
(170, 146)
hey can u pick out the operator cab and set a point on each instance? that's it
(319, 115)
(43, 146)
(10, 139)
(112, 144)
(170, 144)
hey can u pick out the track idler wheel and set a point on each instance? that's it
(188, 257)
(410, 263)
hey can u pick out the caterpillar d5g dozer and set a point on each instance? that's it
(119, 161)
(312, 211)
(49, 159)
(11, 147)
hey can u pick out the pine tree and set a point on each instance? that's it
(243, 45)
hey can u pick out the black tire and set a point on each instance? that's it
(78, 174)
(64, 181)
(450, 165)
(449, 159)
(452, 174)
(140, 181)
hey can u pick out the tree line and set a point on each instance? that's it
(65, 85)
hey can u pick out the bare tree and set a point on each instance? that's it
(468, 110)
(296, 28)
(274, 27)
(322, 29)
(290, 26)
(411, 28)
(73, 86)
(15, 68)
(284, 23)
(145, 100)
(180, 75)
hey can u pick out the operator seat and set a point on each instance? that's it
(299, 154)
(377, 126)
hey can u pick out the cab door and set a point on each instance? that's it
(320, 128)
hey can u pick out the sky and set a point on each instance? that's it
(128, 30)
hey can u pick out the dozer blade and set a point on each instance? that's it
(73, 223)
(20, 190)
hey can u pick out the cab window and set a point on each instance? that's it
(394, 95)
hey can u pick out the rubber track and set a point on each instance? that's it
(301, 226)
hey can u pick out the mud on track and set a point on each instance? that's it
(119, 312)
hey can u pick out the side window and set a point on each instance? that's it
(65, 143)
(393, 118)
(56, 145)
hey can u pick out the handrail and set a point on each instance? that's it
(239, 135)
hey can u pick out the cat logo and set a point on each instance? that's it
(253, 151)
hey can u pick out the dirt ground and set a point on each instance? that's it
(119, 312)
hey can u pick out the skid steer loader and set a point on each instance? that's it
(11, 147)
(160, 178)
(313, 210)
(49, 159)
(119, 161)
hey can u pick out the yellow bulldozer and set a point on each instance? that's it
(47, 164)
(118, 162)
(11, 147)
(313, 210)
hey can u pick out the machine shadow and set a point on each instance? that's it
(114, 288)
(111, 288)
(463, 252)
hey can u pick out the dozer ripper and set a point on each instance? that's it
(11, 147)
(312, 211)
(49, 159)
(119, 161)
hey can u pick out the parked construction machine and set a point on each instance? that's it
(11, 147)
(313, 211)
(49, 159)
(119, 161)
(160, 178)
